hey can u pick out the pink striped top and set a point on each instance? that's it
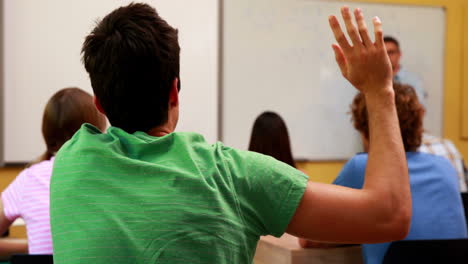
(27, 197)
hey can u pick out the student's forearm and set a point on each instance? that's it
(387, 178)
(305, 243)
(10, 246)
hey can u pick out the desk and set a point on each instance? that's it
(286, 250)
(18, 229)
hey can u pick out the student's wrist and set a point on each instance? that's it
(383, 95)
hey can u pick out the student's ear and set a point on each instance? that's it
(99, 106)
(174, 93)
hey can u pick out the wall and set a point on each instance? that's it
(42, 43)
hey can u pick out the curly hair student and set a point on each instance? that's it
(437, 206)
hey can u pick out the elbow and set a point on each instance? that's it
(393, 220)
(403, 226)
(399, 226)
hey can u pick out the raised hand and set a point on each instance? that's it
(365, 64)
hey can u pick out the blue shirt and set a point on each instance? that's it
(437, 206)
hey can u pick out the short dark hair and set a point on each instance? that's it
(410, 114)
(132, 57)
(270, 137)
(392, 40)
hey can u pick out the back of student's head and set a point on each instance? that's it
(270, 137)
(132, 57)
(410, 114)
(64, 114)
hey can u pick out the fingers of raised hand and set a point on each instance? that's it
(378, 32)
(362, 27)
(350, 28)
(338, 33)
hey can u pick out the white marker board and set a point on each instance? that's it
(277, 56)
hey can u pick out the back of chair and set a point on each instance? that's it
(451, 251)
(31, 259)
(465, 205)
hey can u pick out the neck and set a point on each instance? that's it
(160, 131)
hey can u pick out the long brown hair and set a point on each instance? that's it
(270, 137)
(64, 114)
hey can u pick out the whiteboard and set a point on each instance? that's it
(42, 43)
(277, 56)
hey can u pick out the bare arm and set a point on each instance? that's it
(9, 246)
(381, 211)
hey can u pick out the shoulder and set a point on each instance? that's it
(357, 163)
(38, 170)
(360, 158)
(353, 172)
(435, 161)
(433, 140)
(244, 159)
(87, 135)
(246, 164)
(431, 166)
(43, 165)
(439, 146)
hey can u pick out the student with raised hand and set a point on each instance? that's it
(143, 193)
(437, 207)
(27, 197)
(270, 137)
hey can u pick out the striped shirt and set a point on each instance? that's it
(27, 197)
(445, 148)
(134, 198)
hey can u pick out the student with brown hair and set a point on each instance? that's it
(153, 195)
(437, 206)
(270, 137)
(27, 197)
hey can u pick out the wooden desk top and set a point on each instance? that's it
(286, 250)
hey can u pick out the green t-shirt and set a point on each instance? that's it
(134, 198)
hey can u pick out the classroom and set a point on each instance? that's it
(240, 61)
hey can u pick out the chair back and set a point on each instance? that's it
(31, 259)
(465, 205)
(451, 251)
